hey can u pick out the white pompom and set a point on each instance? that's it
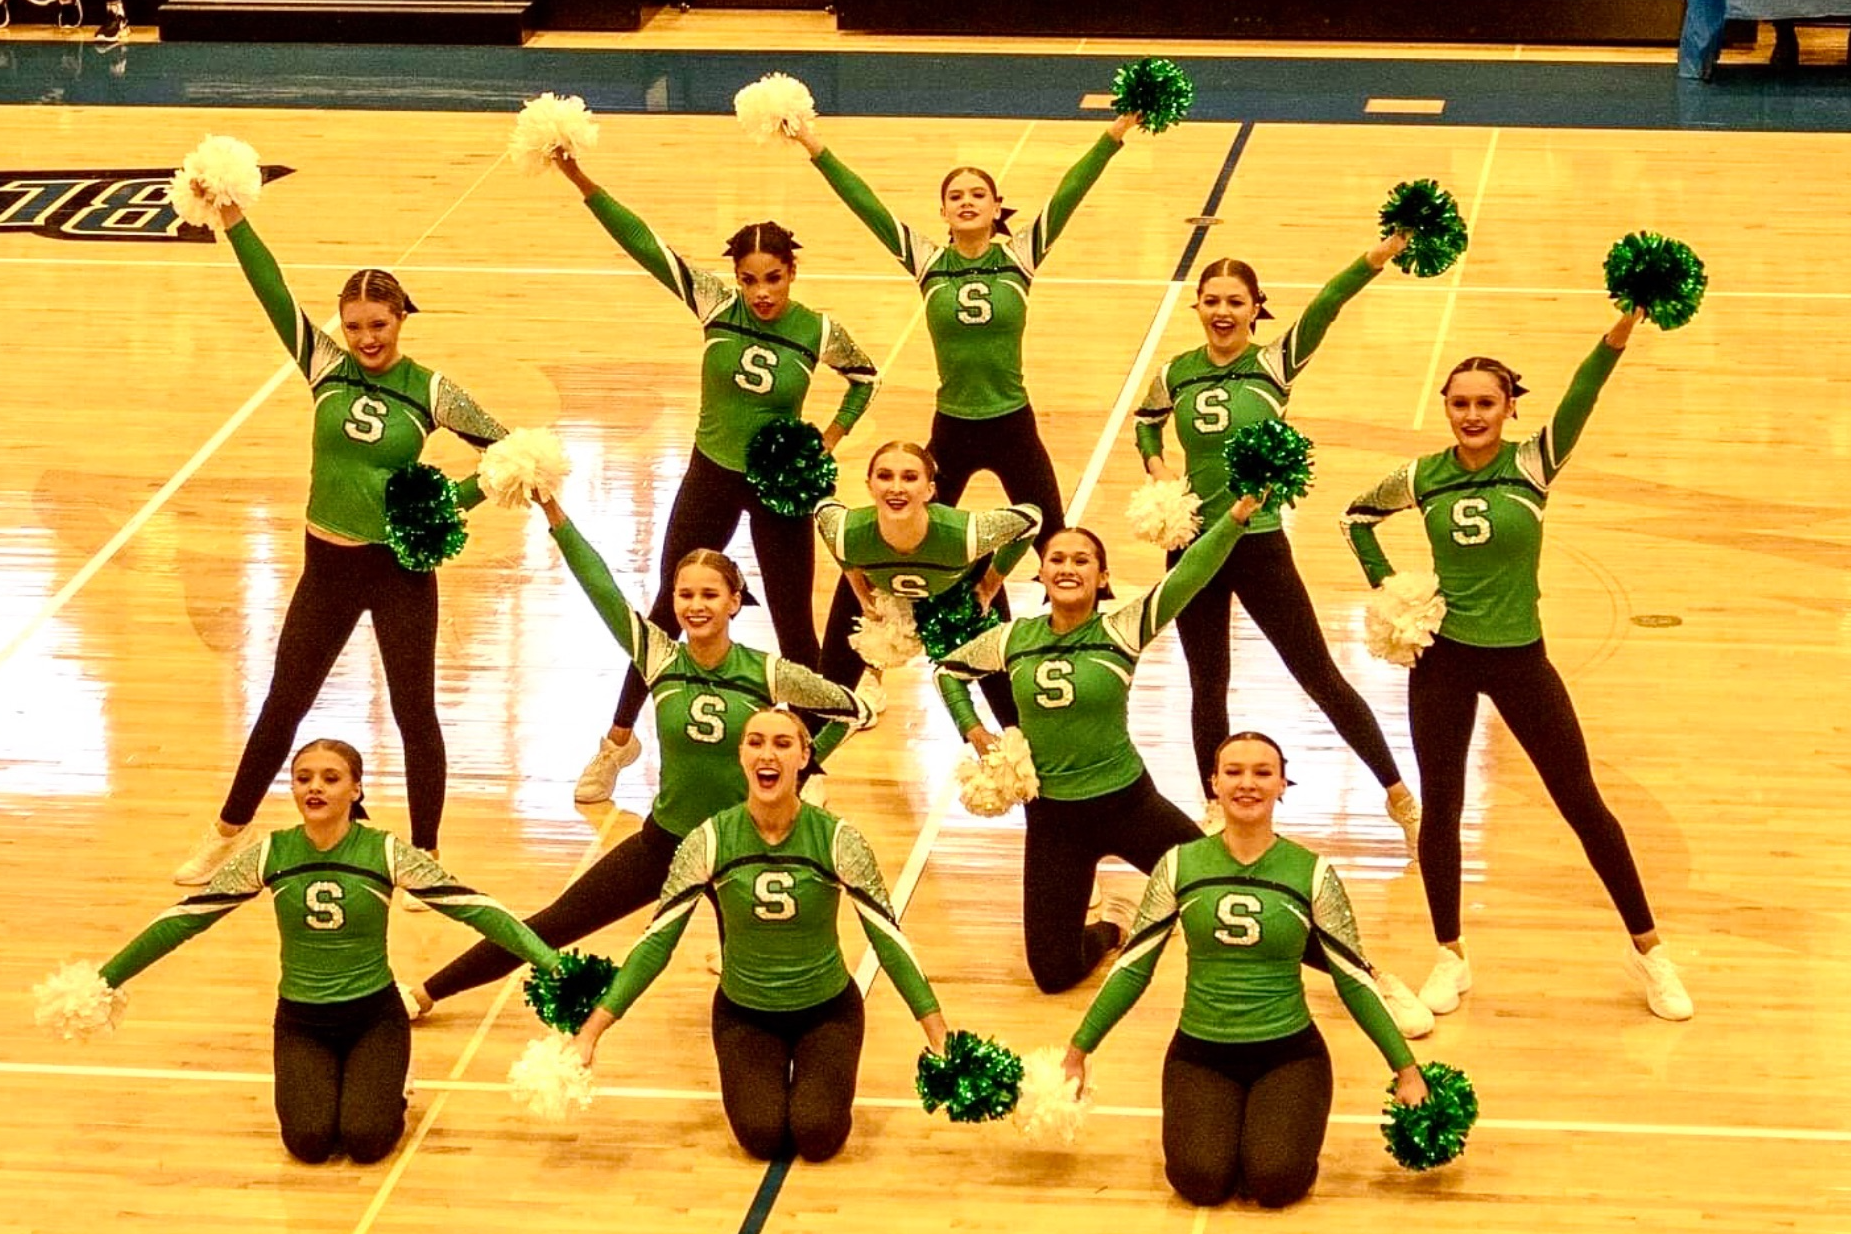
(547, 126)
(75, 1003)
(1051, 1109)
(528, 461)
(1403, 616)
(1000, 780)
(887, 637)
(774, 105)
(1165, 513)
(549, 1080)
(221, 171)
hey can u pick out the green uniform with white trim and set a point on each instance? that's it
(367, 425)
(778, 904)
(975, 307)
(752, 371)
(701, 712)
(1247, 928)
(1074, 689)
(331, 911)
(1210, 401)
(1485, 526)
(955, 540)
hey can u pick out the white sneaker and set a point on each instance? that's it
(1664, 989)
(212, 851)
(600, 775)
(1451, 977)
(1407, 816)
(413, 1010)
(1413, 1017)
(815, 791)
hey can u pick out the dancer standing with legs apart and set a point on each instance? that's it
(1212, 392)
(705, 691)
(909, 547)
(1247, 1078)
(1482, 504)
(1070, 673)
(976, 308)
(343, 1045)
(787, 1018)
(374, 407)
(761, 349)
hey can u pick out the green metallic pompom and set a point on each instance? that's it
(1269, 455)
(1657, 274)
(565, 997)
(1157, 90)
(1433, 1132)
(976, 1080)
(424, 528)
(1430, 216)
(788, 467)
(951, 619)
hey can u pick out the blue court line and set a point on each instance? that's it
(1503, 93)
(773, 1183)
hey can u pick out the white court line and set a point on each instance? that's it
(1121, 407)
(1429, 286)
(1452, 289)
(140, 518)
(1688, 1131)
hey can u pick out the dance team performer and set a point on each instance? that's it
(762, 347)
(1481, 503)
(976, 308)
(1070, 674)
(1211, 392)
(343, 1044)
(1247, 1077)
(705, 690)
(911, 547)
(787, 1018)
(374, 407)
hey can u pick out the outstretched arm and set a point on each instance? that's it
(1335, 926)
(239, 881)
(1547, 453)
(1073, 187)
(699, 289)
(641, 640)
(314, 352)
(913, 249)
(1138, 623)
(420, 875)
(1296, 345)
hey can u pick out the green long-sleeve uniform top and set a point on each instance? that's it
(955, 540)
(367, 425)
(778, 906)
(975, 307)
(700, 711)
(1246, 927)
(1485, 526)
(331, 911)
(1209, 401)
(1074, 689)
(752, 371)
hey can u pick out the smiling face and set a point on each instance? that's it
(900, 482)
(372, 333)
(970, 204)
(705, 603)
(1249, 777)
(1072, 569)
(773, 749)
(1227, 309)
(323, 785)
(1476, 408)
(765, 284)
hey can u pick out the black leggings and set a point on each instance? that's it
(338, 584)
(1261, 573)
(1066, 841)
(842, 665)
(625, 879)
(1246, 1117)
(1008, 447)
(340, 1076)
(706, 512)
(1443, 695)
(787, 1078)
